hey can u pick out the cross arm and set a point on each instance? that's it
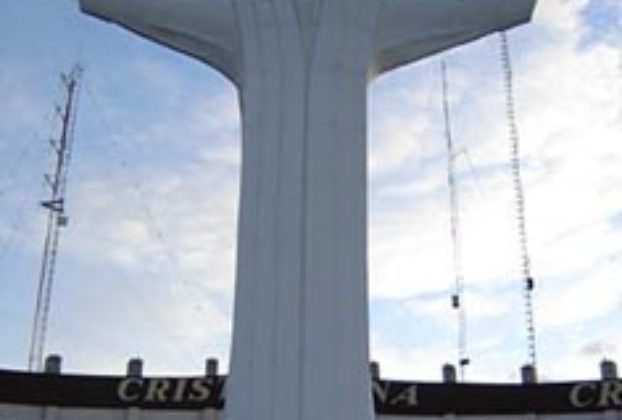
(204, 29)
(412, 29)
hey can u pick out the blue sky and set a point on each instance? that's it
(146, 265)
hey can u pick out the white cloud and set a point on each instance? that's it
(169, 247)
(479, 305)
(569, 114)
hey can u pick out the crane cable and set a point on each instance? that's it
(457, 298)
(528, 283)
(155, 228)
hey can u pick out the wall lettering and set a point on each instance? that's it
(602, 395)
(129, 389)
(161, 390)
(390, 397)
(407, 397)
(610, 395)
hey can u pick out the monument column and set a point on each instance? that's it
(300, 346)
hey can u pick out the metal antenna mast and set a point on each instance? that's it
(519, 194)
(57, 218)
(457, 298)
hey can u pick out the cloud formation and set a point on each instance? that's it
(147, 264)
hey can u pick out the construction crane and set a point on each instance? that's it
(57, 217)
(528, 282)
(457, 298)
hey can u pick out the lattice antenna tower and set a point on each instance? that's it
(528, 283)
(57, 218)
(457, 298)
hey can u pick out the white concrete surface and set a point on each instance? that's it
(11, 412)
(300, 342)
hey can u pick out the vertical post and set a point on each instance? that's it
(135, 368)
(53, 364)
(211, 367)
(211, 371)
(374, 370)
(529, 374)
(449, 374)
(608, 370)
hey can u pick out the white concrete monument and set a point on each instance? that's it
(300, 337)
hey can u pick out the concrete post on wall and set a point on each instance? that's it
(211, 367)
(529, 375)
(211, 372)
(374, 370)
(53, 364)
(449, 374)
(302, 69)
(608, 370)
(135, 368)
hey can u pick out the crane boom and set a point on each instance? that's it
(457, 298)
(57, 218)
(528, 282)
